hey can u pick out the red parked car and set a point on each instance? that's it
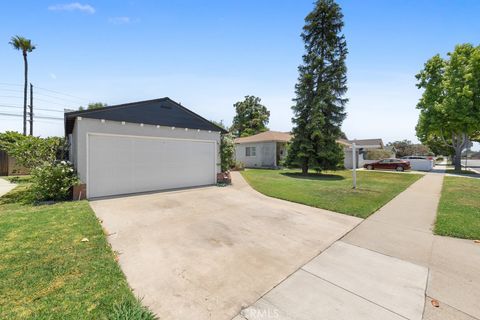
(389, 164)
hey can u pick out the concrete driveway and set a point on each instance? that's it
(5, 186)
(207, 253)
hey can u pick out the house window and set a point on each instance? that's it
(250, 151)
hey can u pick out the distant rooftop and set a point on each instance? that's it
(266, 136)
(372, 143)
(287, 136)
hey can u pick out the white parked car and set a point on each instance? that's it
(420, 163)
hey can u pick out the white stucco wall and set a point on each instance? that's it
(264, 157)
(348, 159)
(85, 125)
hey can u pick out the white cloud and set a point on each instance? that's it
(119, 20)
(53, 76)
(74, 6)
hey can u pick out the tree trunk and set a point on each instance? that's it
(305, 167)
(25, 94)
(457, 159)
(459, 141)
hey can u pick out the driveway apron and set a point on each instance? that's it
(206, 253)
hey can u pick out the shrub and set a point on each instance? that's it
(14, 179)
(238, 166)
(53, 181)
(377, 154)
(30, 151)
(9, 138)
(227, 149)
(18, 179)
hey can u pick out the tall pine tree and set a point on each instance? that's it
(319, 108)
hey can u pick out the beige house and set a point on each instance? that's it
(268, 149)
(361, 146)
(263, 150)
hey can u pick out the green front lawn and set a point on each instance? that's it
(452, 171)
(332, 190)
(18, 179)
(47, 272)
(459, 208)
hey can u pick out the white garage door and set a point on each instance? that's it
(124, 164)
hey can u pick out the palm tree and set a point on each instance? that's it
(26, 46)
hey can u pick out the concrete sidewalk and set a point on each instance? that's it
(346, 282)
(403, 229)
(389, 267)
(5, 186)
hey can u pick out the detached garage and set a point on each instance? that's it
(143, 146)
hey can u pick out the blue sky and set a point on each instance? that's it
(209, 54)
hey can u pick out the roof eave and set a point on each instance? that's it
(74, 119)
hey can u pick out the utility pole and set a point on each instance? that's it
(354, 165)
(31, 109)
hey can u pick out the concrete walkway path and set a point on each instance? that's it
(5, 186)
(389, 267)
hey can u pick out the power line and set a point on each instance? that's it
(11, 97)
(11, 84)
(70, 100)
(64, 99)
(18, 107)
(58, 92)
(19, 115)
(41, 116)
(10, 105)
(40, 106)
(44, 100)
(43, 121)
(11, 90)
(61, 99)
(49, 101)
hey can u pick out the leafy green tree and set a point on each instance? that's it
(377, 154)
(450, 104)
(94, 105)
(343, 135)
(25, 45)
(407, 148)
(227, 148)
(319, 108)
(438, 147)
(251, 117)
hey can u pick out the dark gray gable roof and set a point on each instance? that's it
(163, 112)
